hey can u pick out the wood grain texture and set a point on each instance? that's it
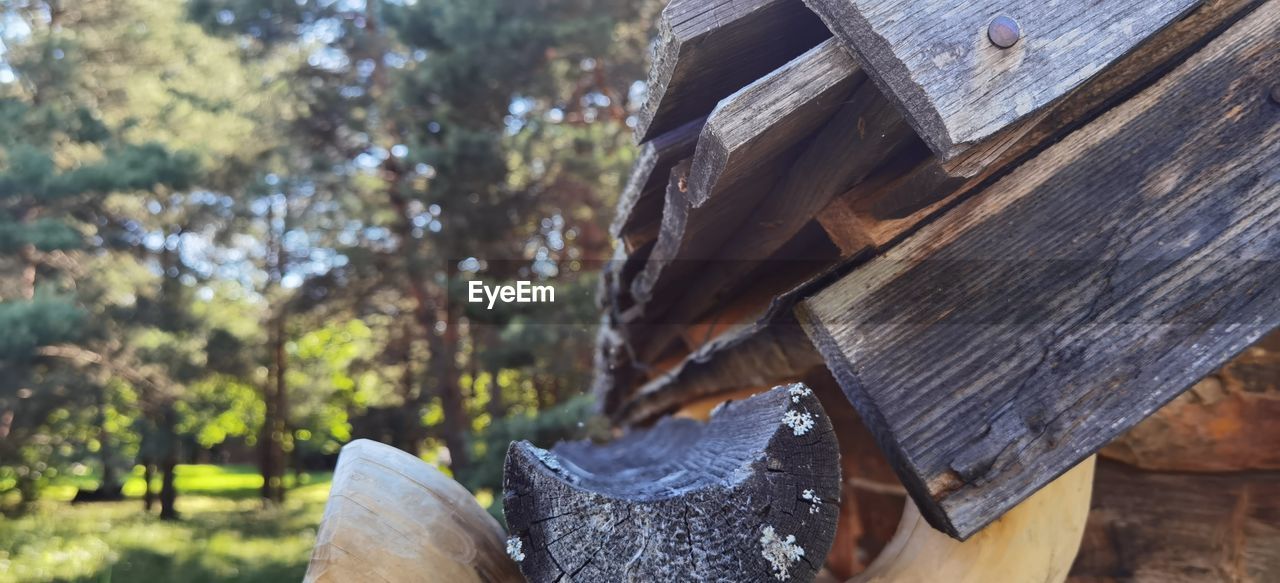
(1028, 326)
(1150, 527)
(747, 143)
(685, 500)
(874, 213)
(707, 49)
(639, 211)
(1229, 421)
(956, 87)
(394, 518)
(860, 137)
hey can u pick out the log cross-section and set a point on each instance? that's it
(956, 86)
(751, 495)
(1028, 326)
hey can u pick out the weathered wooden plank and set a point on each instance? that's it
(750, 495)
(747, 142)
(707, 49)
(639, 210)
(956, 86)
(441, 534)
(1030, 325)
(764, 350)
(875, 213)
(1226, 422)
(865, 133)
(1181, 528)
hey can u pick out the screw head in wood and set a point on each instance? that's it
(1004, 32)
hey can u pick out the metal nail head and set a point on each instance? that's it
(1004, 32)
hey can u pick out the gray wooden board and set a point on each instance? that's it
(1025, 328)
(640, 204)
(708, 49)
(859, 138)
(685, 500)
(747, 143)
(958, 88)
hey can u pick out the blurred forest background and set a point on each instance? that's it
(229, 232)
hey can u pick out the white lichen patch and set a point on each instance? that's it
(515, 549)
(815, 501)
(798, 392)
(800, 422)
(780, 552)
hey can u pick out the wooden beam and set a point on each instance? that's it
(1180, 528)
(1030, 325)
(639, 210)
(875, 213)
(865, 133)
(750, 495)
(745, 145)
(707, 49)
(441, 535)
(956, 86)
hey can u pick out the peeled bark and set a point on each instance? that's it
(393, 518)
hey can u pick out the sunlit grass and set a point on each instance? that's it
(224, 534)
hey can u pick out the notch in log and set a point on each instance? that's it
(1030, 325)
(753, 494)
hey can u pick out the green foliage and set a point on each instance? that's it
(43, 320)
(224, 536)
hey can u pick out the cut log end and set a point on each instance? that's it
(684, 500)
(394, 518)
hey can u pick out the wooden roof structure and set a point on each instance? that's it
(1009, 232)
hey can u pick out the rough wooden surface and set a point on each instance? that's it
(392, 517)
(1181, 528)
(1036, 541)
(1229, 421)
(860, 137)
(750, 495)
(639, 211)
(875, 213)
(747, 143)
(958, 88)
(708, 49)
(1073, 298)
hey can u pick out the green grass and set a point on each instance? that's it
(225, 534)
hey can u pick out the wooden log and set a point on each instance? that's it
(1075, 296)
(745, 145)
(707, 49)
(875, 213)
(393, 517)
(1226, 422)
(1035, 541)
(750, 495)
(639, 211)
(1181, 528)
(958, 87)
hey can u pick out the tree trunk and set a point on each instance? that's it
(168, 465)
(455, 414)
(148, 496)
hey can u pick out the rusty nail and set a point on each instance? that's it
(1004, 32)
